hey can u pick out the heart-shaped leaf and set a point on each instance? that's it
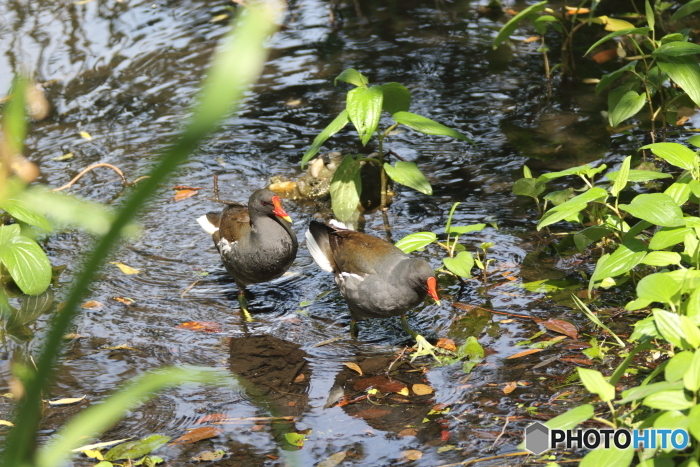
(25, 260)
(461, 264)
(397, 98)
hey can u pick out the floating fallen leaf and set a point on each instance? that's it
(86, 135)
(682, 121)
(333, 459)
(92, 305)
(67, 401)
(64, 157)
(353, 366)
(463, 306)
(124, 268)
(198, 434)
(510, 387)
(411, 455)
(531, 39)
(590, 80)
(212, 417)
(422, 389)
(104, 444)
(548, 343)
(118, 347)
(300, 377)
(93, 454)
(6, 423)
(186, 187)
(524, 353)
(293, 102)
(82, 2)
(577, 361)
(295, 439)
(72, 335)
(380, 382)
(200, 326)
(570, 10)
(125, 300)
(605, 55)
(256, 428)
(510, 11)
(137, 448)
(404, 392)
(209, 456)
(408, 432)
(562, 327)
(184, 194)
(329, 341)
(369, 414)
(447, 344)
(506, 321)
(509, 275)
(218, 18)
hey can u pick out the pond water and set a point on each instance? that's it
(126, 72)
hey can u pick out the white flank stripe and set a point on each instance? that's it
(206, 225)
(317, 253)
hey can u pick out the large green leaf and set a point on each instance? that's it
(623, 260)
(686, 72)
(674, 153)
(416, 241)
(640, 392)
(461, 264)
(427, 126)
(593, 381)
(611, 457)
(407, 173)
(621, 32)
(137, 448)
(670, 327)
(667, 237)
(622, 177)
(572, 207)
(639, 175)
(364, 106)
(669, 400)
(657, 208)
(352, 76)
(691, 377)
(345, 188)
(512, 25)
(691, 7)
(662, 258)
(21, 210)
(532, 187)
(659, 287)
(678, 366)
(334, 127)
(608, 79)
(25, 260)
(571, 418)
(627, 107)
(677, 49)
(397, 98)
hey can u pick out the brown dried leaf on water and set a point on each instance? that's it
(463, 306)
(124, 268)
(256, 428)
(371, 413)
(404, 392)
(422, 389)
(300, 377)
(184, 194)
(354, 367)
(125, 300)
(682, 121)
(510, 387)
(333, 459)
(577, 361)
(198, 434)
(219, 18)
(6, 423)
(408, 432)
(411, 455)
(92, 305)
(562, 327)
(212, 417)
(64, 157)
(524, 353)
(447, 344)
(86, 135)
(186, 187)
(67, 401)
(293, 102)
(605, 55)
(200, 326)
(380, 382)
(537, 319)
(209, 456)
(531, 39)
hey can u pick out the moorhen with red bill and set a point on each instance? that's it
(256, 242)
(377, 279)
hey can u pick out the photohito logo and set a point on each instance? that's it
(539, 438)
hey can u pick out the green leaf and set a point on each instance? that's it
(659, 287)
(676, 49)
(512, 25)
(571, 418)
(572, 207)
(408, 174)
(531, 187)
(669, 400)
(694, 422)
(649, 14)
(678, 366)
(622, 177)
(624, 259)
(621, 32)
(691, 377)
(21, 210)
(364, 106)
(674, 153)
(397, 98)
(679, 192)
(461, 264)
(611, 457)
(25, 260)
(416, 241)
(695, 140)
(662, 258)
(595, 383)
(657, 208)
(686, 72)
(427, 126)
(462, 229)
(137, 448)
(628, 106)
(346, 188)
(640, 392)
(589, 235)
(607, 80)
(667, 237)
(669, 325)
(689, 8)
(693, 306)
(334, 127)
(639, 176)
(352, 76)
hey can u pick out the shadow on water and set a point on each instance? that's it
(125, 72)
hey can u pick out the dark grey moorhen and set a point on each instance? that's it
(377, 279)
(256, 242)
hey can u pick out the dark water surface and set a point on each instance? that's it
(126, 73)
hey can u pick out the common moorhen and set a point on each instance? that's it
(377, 279)
(256, 242)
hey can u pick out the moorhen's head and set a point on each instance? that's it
(267, 203)
(421, 277)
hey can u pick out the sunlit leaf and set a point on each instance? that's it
(686, 72)
(334, 127)
(627, 107)
(608, 79)
(136, 449)
(622, 177)
(198, 434)
(86, 135)
(677, 49)
(593, 381)
(657, 208)
(364, 106)
(427, 126)
(416, 241)
(611, 457)
(345, 188)
(422, 389)
(622, 260)
(124, 268)
(509, 28)
(352, 76)
(461, 264)
(673, 153)
(67, 401)
(408, 174)
(691, 7)
(21, 210)
(25, 260)
(623, 32)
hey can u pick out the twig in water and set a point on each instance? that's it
(101, 164)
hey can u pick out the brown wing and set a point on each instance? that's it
(234, 222)
(360, 253)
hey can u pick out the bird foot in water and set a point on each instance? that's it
(244, 307)
(426, 348)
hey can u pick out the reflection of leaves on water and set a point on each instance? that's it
(31, 307)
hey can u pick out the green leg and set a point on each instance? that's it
(424, 347)
(244, 305)
(354, 329)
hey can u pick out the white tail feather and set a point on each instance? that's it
(338, 224)
(317, 253)
(206, 225)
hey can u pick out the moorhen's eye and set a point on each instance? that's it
(265, 203)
